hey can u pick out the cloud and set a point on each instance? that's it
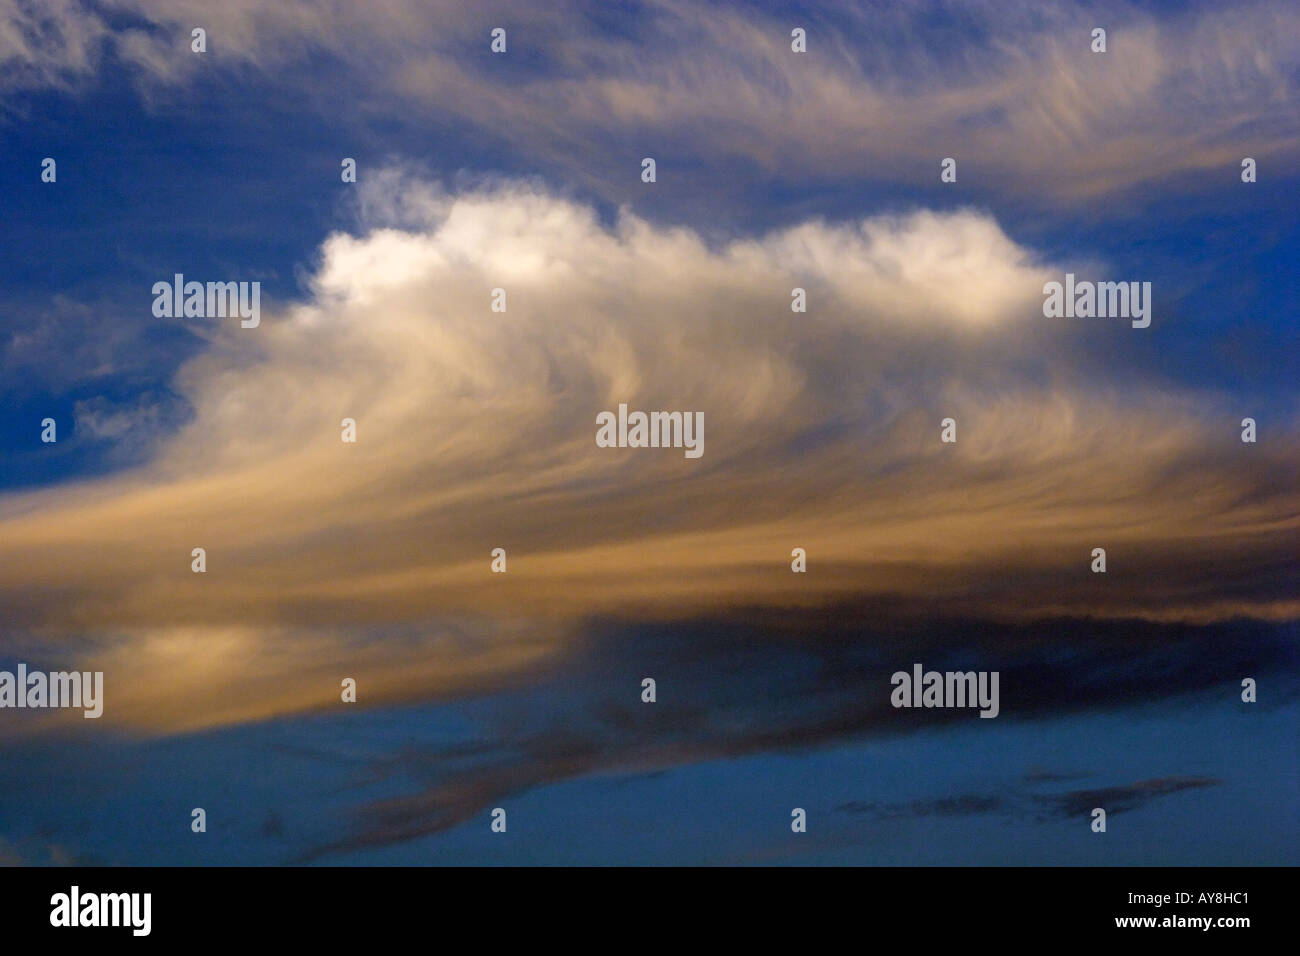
(970, 804)
(48, 44)
(70, 345)
(1076, 804)
(476, 431)
(1113, 800)
(1010, 90)
(735, 688)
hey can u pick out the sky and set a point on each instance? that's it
(523, 171)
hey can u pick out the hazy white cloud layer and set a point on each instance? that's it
(1012, 90)
(476, 430)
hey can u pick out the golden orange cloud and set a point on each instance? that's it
(476, 431)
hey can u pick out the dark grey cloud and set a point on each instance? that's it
(1119, 799)
(727, 688)
(1021, 803)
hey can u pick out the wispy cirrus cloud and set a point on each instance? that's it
(884, 91)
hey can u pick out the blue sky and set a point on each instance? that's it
(523, 169)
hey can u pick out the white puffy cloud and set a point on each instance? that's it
(476, 430)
